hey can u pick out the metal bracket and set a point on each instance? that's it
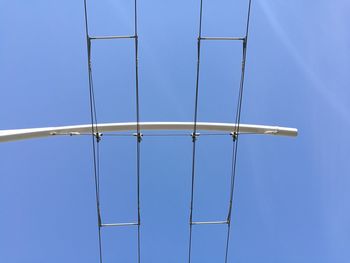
(98, 136)
(234, 136)
(139, 136)
(194, 136)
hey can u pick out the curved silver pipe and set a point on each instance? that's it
(22, 134)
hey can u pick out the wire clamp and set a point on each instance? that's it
(98, 136)
(139, 136)
(234, 135)
(244, 42)
(194, 136)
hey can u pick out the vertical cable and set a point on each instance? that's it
(94, 130)
(138, 135)
(236, 132)
(194, 134)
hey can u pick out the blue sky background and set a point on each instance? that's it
(291, 197)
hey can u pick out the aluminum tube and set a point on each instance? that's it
(223, 38)
(22, 134)
(210, 223)
(119, 224)
(109, 37)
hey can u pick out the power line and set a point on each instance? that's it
(94, 131)
(194, 134)
(139, 135)
(236, 132)
(159, 135)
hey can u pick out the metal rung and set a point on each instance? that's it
(120, 224)
(110, 37)
(222, 38)
(210, 223)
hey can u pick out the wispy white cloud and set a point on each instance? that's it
(318, 81)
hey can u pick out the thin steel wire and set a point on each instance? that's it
(94, 130)
(73, 134)
(236, 133)
(184, 134)
(118, 135)
(194, 134)
(138, 137)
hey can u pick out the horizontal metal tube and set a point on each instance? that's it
(22, 134)
(119, 224)
(222, 38)
(210, 223)
(110, 37)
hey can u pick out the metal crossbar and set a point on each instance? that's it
(111, 37)
(120, 224)
(223, 38)
(210, 223)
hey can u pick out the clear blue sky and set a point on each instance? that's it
(291, 197)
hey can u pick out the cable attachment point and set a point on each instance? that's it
(99, 220)
(234, 136)
(88, 39)
(194, 136)
(244, 42)
(139, 136)
(98, 136)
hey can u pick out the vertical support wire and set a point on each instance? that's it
(94, 131)
(139, 136)
(236, 132)
(194, 134)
